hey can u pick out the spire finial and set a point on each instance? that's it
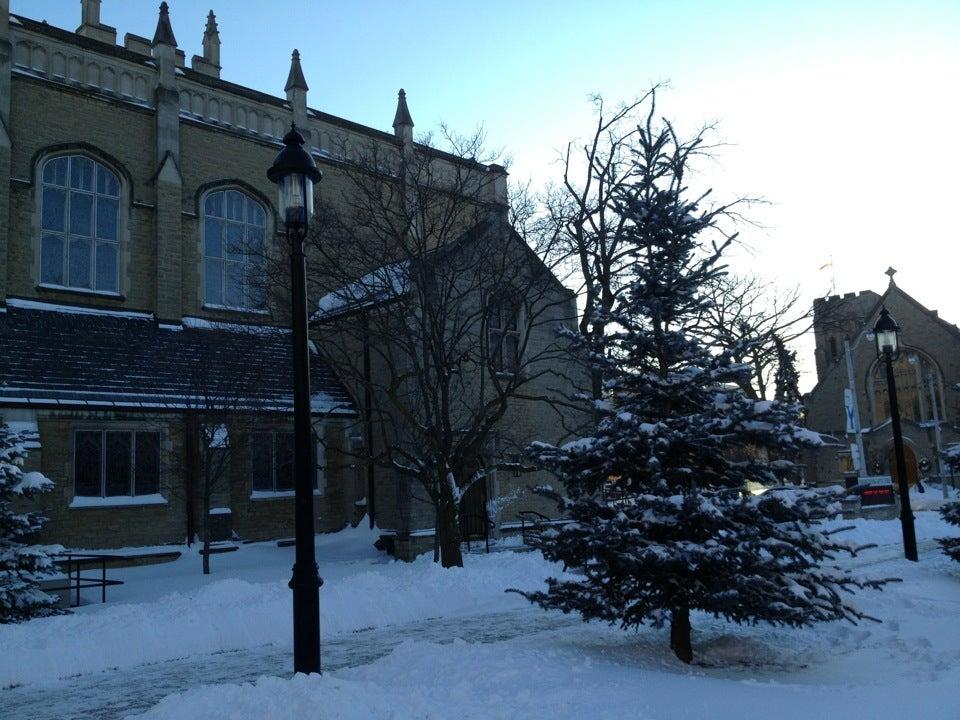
(164, 33)
(891, 272)
(402, 117)
(211, 24)
(295, 79)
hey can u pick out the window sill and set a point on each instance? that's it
(84, 501)
(229, 308)
(278, 494)
(80, 291)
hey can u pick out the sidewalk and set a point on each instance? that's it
(113, 695)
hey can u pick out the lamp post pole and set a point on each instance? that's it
(294, 171)
(887, 334)
(906, 514)
(306, 581)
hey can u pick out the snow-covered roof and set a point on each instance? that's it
(381, 285)
(71, 356)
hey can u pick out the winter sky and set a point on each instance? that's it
(841, 113)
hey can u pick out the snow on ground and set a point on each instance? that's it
(170, 611)
(583, 673)
(908, 666)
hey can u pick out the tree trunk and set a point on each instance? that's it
(449, 531)
(192, 466)
(680, 633)
(206, 532)
(436, 533)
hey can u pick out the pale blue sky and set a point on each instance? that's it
(843, 114)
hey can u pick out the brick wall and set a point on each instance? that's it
(107, 527)
(131, 526)
(119, 135)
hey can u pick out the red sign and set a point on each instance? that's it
(877, 495)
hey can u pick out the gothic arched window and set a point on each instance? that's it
(919, 388)
(80, 224)
(503, 334)
(234, 226)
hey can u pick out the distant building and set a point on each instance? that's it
(927, 372)
(127, 177)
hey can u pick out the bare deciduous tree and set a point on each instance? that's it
(440, 316)
(583, 225)
(223, 407)
(756, 322)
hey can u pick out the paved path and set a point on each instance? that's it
(116, 694)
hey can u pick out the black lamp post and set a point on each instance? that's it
(295, 172)
(887, 334)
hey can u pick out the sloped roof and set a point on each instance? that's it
(381, 285)
(69, 356)
(393, 280)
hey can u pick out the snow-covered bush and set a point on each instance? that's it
(680, 444)
(22, 565)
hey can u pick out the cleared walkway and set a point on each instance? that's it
(116, 694)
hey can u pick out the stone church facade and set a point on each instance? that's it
(927, 373)
(127, 177)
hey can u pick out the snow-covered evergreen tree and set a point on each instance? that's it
(951, 511)
(22, 565)
(681, 443)
(951, 546)
(787, 377)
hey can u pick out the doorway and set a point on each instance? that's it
(910, 460)
(473, 510)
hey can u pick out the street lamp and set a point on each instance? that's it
(295, 172)
(887, 334)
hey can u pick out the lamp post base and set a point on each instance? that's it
(909, 535)
(306, 583)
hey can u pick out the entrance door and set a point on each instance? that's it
(473, 510)
(910, 460)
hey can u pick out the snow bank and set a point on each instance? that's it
(234, 614)
(585, 673)
(425, 680)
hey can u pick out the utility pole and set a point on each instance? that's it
(854, 411)
(936, 433)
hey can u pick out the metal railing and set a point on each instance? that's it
(484, 522)
(533, 523)
(74, 563)
(530, 522)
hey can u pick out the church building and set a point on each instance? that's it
(926, 371)
(131, 185)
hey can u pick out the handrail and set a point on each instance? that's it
(78, 582)
(487, 526)
(535, 519)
